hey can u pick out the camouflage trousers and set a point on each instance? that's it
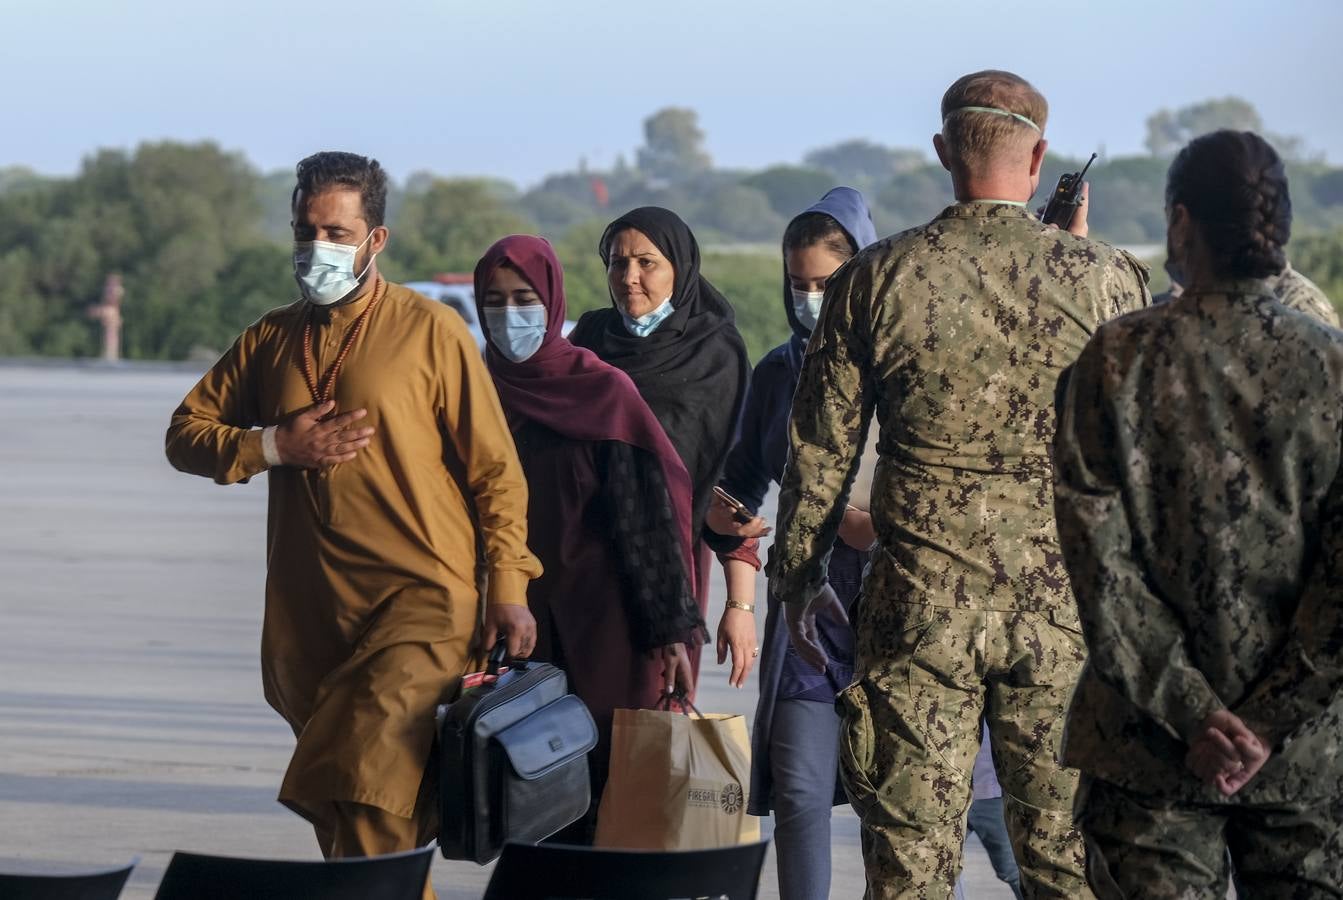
(1159, 850)
(911, 730)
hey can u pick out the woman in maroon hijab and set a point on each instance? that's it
(609, 510)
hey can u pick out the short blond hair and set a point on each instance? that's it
(976, 138)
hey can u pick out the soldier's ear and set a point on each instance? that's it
(940, 145)
(1038, 156)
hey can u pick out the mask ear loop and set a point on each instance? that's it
(360, 277)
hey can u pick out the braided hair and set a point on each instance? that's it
(1235, 188)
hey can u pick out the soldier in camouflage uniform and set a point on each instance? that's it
(1199, 498)
(953, 335)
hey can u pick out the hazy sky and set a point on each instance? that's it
(518, 89)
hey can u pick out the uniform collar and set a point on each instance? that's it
(980, 209)
(1242, 287)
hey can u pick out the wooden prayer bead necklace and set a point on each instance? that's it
(328, 383)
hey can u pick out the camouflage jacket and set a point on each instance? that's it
(1199, 498)
(1296, 291)
(953, 334)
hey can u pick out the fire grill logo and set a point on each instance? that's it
(731, 799)
(701, 797)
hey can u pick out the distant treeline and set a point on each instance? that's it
(201, 237)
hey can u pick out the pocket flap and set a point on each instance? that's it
(555, 734)
(1066, 618)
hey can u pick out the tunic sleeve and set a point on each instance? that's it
(474, 426)
(1309, 671)
(213, 432)
(830, 415)
(1137, 643)
(658, 601)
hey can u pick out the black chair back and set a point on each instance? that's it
(559, 872)
(105, 885)
(396, 876)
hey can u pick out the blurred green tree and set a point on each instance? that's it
(791, 189)
(673, 147)
(859, 163)
(447, 226)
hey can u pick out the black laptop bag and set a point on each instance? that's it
(512, 760)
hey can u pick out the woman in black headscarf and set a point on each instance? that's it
(673, 333)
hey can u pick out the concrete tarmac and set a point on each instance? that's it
(131, 715)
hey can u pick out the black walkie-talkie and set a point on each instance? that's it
(1067, 197)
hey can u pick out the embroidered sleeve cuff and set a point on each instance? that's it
(268, 446)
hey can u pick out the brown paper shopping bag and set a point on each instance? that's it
(677, 782)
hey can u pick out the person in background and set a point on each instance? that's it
(673, 333)
(794, 753)
(608, 502)
(1199, 498)
(952, 335)
(389, 462)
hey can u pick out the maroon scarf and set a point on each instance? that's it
(568, 389)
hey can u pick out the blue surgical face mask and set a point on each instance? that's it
(516, 331)
(1175, 271)
(325, 271)
(807, 307)
(643, 326)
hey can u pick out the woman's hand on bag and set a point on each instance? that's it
(736, 634)
(720, 520)
(677, 676)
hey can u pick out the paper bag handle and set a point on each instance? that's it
(680, 697)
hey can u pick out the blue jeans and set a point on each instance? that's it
(804, 758)
(986, 820)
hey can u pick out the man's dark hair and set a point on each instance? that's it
(349, 171)
(1235, 188)
(812, 228)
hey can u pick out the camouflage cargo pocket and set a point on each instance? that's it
(856, 746)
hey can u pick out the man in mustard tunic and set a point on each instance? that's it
(391, 472)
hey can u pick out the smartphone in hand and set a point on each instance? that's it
(739, 511)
